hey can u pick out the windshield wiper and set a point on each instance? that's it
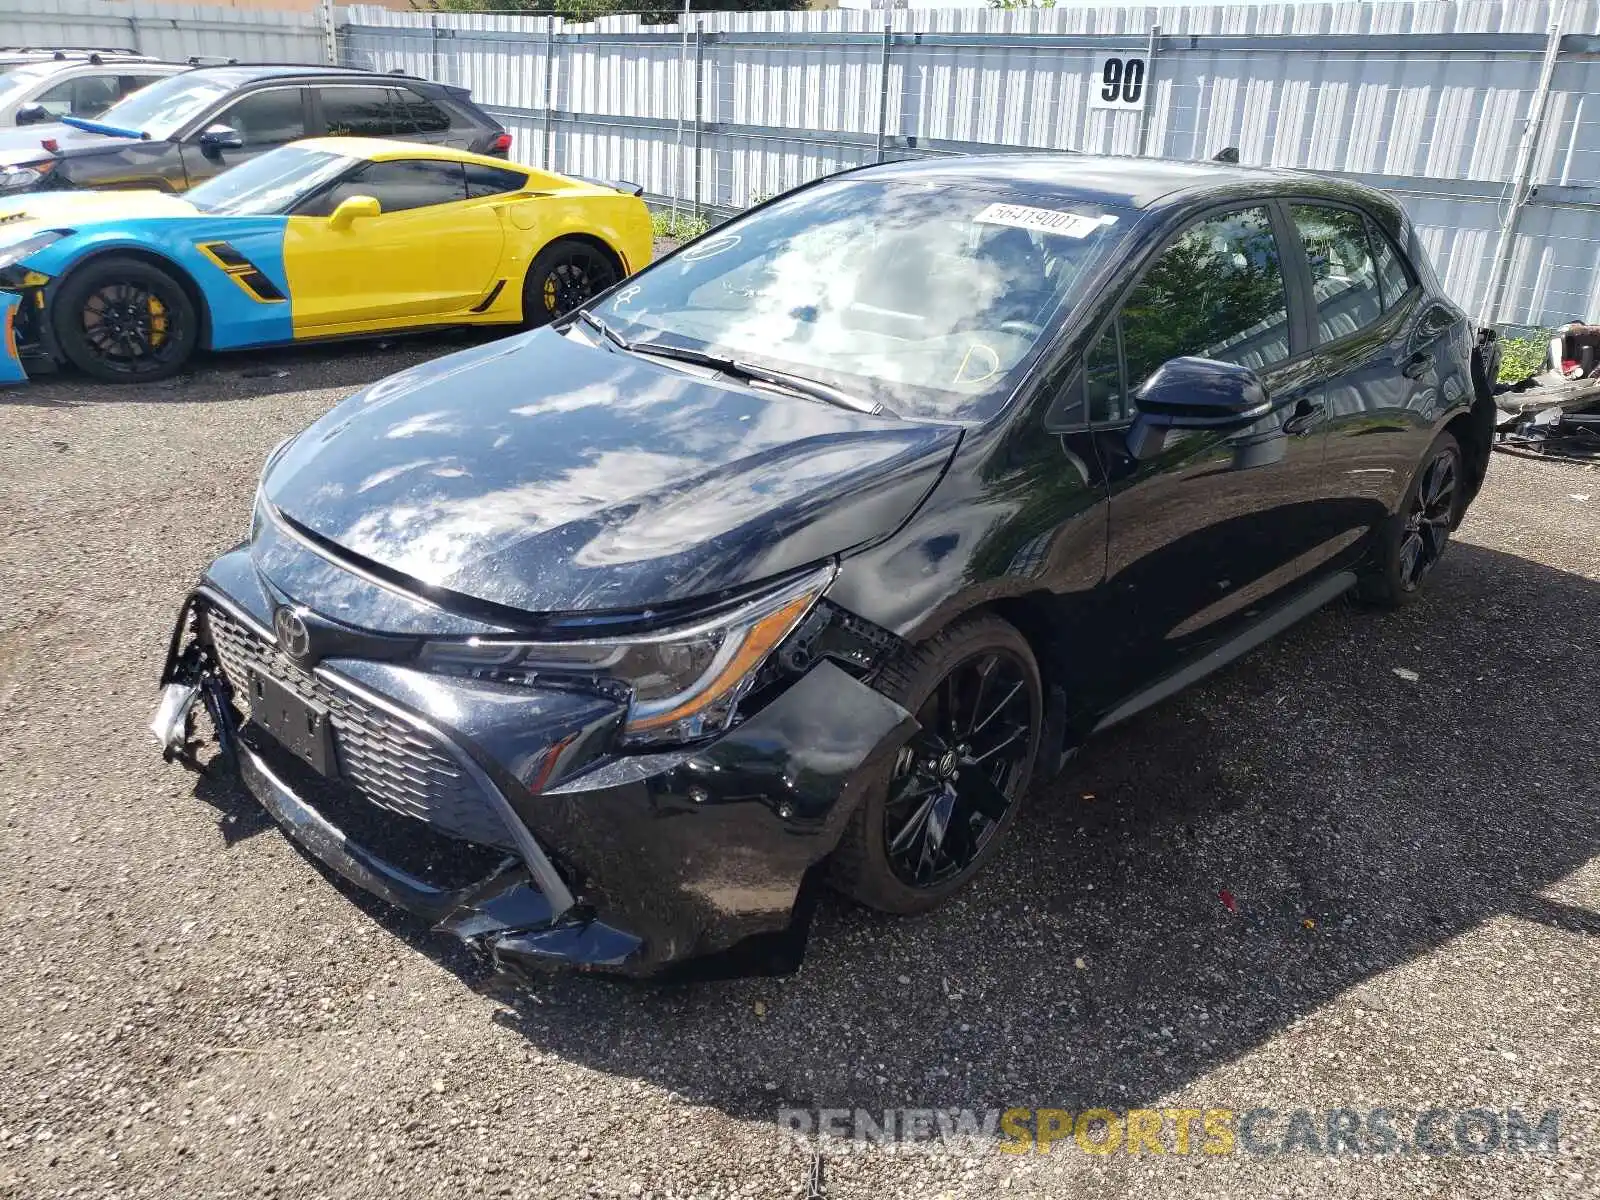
(600, 327)
(750, 371)
(137, 135)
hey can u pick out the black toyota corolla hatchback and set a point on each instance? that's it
(795, 557)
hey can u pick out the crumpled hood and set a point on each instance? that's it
(550, 475)
(27, 214)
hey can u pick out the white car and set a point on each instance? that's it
(42, 86)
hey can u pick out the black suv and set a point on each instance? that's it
(184, 129)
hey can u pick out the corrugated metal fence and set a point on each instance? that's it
(165, 30)
(1480, 114)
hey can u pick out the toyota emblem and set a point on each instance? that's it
(293, 635)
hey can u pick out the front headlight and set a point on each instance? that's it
(682, 683)
(28, 246)
(14, 179)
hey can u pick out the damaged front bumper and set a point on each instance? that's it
(503, 815)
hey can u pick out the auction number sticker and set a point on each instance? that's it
(1118, 82)
(1042, 220)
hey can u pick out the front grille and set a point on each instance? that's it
(387, 761)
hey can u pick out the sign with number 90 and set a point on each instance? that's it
(1118, 82)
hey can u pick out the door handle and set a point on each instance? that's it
(1307, 416)
(1418, 365)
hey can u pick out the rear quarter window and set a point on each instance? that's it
(418, 114)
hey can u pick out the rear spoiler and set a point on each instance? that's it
(616, 185)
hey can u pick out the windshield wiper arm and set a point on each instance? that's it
(600, 327)
(780, 379)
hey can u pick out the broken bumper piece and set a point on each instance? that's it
(502, 814)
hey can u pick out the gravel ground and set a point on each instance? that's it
(190, 1008)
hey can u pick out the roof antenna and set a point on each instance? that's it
(1228, 154)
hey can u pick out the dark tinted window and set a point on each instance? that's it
(1216, 292)
(1102, 380)
(268, 118)
(492, 181)
(357, 111)
(397, 187)
(1393, 276)
(1344, 279)
(419, 115)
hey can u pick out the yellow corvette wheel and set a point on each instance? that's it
(564, 275)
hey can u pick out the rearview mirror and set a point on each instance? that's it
(351, 208)
(33, 114)
(219, 138)
(1200, 392)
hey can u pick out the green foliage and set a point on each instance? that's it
(1522, 356)
(685, 226)
(1022, 3)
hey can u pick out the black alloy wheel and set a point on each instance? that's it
(954, 783)
(1409, 543)
(1432, 515)
(563, 276)
(125, 320)
(953, 791)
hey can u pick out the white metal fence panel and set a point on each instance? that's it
(166, 30)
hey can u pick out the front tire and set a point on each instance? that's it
(562, 276)
(125, 320)
(934, 820)
(1410, 543)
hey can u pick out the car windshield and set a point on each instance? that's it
(270, 184)
(16, 82)
(166, 105)
(927, 299)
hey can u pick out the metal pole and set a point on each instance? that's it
(883, 88)
(133, 31)
(699, 105)
(1151, 47)
(330, 44)
(433, 41)
(1521, 178)
(547, 153)
(683, 84)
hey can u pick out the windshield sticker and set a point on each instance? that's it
(1043, 220)
(706, 249)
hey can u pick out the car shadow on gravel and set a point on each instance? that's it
(247, 374)
(1199, 879)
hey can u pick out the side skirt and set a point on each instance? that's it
(1246, 640)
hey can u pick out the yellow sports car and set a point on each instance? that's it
(323, 238)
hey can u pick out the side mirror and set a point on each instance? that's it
(32, 114)
(219, 138)
(1197, 393)
(351, 208)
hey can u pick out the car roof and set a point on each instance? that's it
(239, 74)
(1142, 183)
(386, 149)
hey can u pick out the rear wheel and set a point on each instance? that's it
(1411, 542)
(562, 276)
(952, 793)
(125, 320)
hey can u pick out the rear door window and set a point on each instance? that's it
(1393, 275)
(1344, 277)
(357, 111)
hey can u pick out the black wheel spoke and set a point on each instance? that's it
(980, 795)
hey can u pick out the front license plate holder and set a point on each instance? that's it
(299, 726)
